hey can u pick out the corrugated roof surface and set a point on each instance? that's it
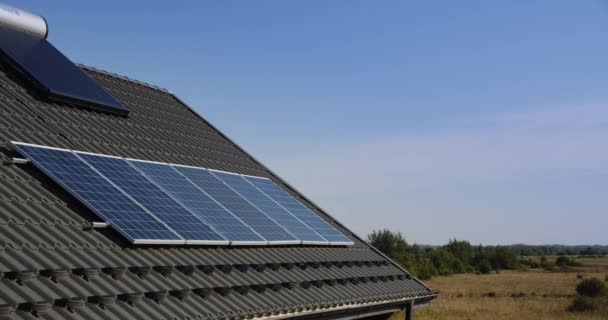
(53, 266)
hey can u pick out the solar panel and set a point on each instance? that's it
(132, 182)
(299, 210)
(52, 72)
(98, 194)
(192, 197)
(238, 206)
(161, 203)
(270, 208)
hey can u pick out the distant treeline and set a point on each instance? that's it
(462, 257)
(557, 250)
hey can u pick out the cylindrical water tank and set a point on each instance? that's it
(23, 20)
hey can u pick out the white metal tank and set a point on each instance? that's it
(23, 20)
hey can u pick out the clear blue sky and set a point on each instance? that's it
(480, 120)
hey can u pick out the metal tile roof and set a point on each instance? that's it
(52, 265)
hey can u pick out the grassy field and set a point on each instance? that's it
(532, 294)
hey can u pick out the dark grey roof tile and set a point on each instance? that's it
(42, 227)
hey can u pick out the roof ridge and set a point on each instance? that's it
(121, 77)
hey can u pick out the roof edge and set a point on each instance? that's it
(370, 307)
(400, 267)
(151, 86)
(121, 77)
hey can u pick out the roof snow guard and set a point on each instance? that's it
(23, 46)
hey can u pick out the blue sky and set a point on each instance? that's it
(480, 120)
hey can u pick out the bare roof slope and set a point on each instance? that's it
(52, 266)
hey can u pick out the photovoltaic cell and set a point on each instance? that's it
(299, 210)
(151, 197)
(159, 203)
(192, 197)
(270, 207)
(54, 74)
(238, 206)
(97, 193)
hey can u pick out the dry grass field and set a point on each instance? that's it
(532, 294)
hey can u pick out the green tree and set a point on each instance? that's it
(563, 261)
(544, 263)
(484, 266)
(390, 243)
(446, 263)
(504, 258)
(461, 250)
(454, 257)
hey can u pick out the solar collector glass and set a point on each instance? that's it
(54, 73)
(192, 197)
(154, 199)
(151, 202)
(98, 194)
(299, 210)
(237, 205)
(270, 208)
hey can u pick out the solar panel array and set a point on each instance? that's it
(185, 223)
(54, 74)
(238, 206)
(256, 197)
(199, 202)
(299, 210)
(161, 203)
(97, 193)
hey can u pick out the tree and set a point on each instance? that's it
(454, 257)
(425, 269)
(390, 243)
(461, 250)
(544, 263)
(485, 267)
(504, 258)
(563, 261)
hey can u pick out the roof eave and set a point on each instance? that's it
(354, 310)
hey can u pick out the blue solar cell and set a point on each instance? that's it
(97, 193)
(192, 197)
(161, 203)
(151, 197)
(54, 74)
(237, 205)
(270, 208)
(299, 210)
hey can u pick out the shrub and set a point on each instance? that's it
(457, 266)
(583, 304)
(425, 269)
(545, 264)
(563, 261)
(485, 267)
(591, 287)
(424, 274)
